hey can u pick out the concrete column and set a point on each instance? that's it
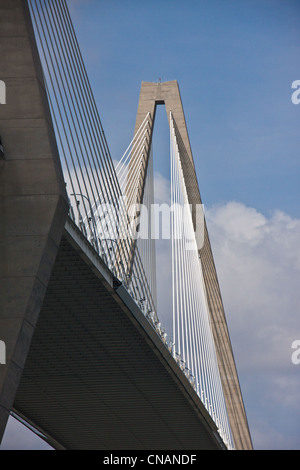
(33, 201)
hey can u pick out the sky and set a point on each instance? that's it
(235, 62)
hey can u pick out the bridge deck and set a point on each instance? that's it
(97, 375)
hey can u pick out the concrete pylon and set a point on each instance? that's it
(33, 200)
(167, 93)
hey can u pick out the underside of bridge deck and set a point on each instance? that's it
(97, 375)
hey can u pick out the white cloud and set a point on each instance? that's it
(162, 189)
(258, 265)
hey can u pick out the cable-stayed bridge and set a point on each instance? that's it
(88, 362)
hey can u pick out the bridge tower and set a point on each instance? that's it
(168, 94)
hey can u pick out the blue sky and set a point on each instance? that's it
(235, 61)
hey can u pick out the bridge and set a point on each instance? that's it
(89, 364)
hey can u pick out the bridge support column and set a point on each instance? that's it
(167, 93)
(33, 201)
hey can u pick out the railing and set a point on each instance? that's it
(96, 201)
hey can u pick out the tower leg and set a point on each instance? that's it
(33, 202)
